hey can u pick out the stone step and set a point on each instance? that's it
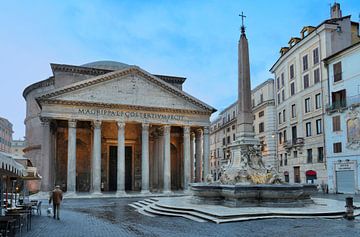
(183, 212)
(162, 213)
(149, 201)
(139, 205)
(133, 206)
(144, 203)
(143, 212)
(154, 199)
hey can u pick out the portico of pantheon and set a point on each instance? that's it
(111, 127)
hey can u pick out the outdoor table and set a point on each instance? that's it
(19, 217)
(7, 224)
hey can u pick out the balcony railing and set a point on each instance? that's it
(336, 105)
(295, 142)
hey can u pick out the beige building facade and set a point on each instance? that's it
(5, 135)
(301, 95)
(109, 126)
(223, 128)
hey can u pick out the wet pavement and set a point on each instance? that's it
(113, 217)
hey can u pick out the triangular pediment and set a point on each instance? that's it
(133, 87)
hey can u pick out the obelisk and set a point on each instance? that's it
(245, 133)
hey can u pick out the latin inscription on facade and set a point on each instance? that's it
(128, 114)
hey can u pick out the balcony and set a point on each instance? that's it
(338, 105)
(293, 143)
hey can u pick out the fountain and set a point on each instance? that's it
(246, 181)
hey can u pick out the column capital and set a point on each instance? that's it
(206, 130)
(120, 125)
(167, 129)
(145, 126)
(45, 121)
(187, 129)
(72, 123)
(97, 124)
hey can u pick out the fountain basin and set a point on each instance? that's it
(251, 195)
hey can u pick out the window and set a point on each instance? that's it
(228, 139)
(278, 95)
(293, 111)
(285, 135)
(308, 129)
(295, 154)
(306, 81)
(261, 98)
(233, 114)
(338, 99)
(318, 126)
(336, 123)
(318, 101)
(224, 141)
(261, 127)
(253, 103)
(280, 138)
(297, 174)
(278, 83)
(261, 114)
(280, 118)
(337, 147)
(337, 72)
(228, 129)
(281, 160)
(307, 105)
(233, 127)
(292, 88)
(316, 56)
(316, 75)
(284, 115)
(285, 159)
(283, 95)
(228, 117)
(234, 137)
(291, 71)
(282, 79)
(305, 63)
(309, 155)
(320, 154)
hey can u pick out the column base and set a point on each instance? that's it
(167, 192)
(121, 194)
(145, 192)
(96, 193)
(70, 194)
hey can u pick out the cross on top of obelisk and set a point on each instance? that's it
(242, 22)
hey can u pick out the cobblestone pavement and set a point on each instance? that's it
(113, 217)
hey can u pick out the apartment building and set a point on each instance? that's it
(5, 135)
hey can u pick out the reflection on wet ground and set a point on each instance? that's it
(113, 217)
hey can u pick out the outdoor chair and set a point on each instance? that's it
(37, 208)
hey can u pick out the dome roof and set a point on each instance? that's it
(107, 65)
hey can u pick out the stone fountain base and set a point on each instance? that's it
(253, 195)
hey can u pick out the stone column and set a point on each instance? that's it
(121, 159)
(198, 155)
(145, 158)
(46, 184)
(206, 152)
(187, 158)
(96, 161)
(71, 164)
(155, 167)
(192, 158)
(161, 159)
(167, 159)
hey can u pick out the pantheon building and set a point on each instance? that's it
(111, 127)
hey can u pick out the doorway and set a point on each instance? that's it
(113, 168)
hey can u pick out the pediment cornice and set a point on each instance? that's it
(120, 106)
(121, 73)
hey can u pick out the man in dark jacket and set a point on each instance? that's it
(56, 197)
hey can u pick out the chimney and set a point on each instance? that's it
(335, 11)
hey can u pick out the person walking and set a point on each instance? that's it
(56, 197)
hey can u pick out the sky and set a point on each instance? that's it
(193, 39)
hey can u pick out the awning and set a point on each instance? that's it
(286, 172)
(9, 167)
(310, 173)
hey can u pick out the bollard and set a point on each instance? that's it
(349, 214)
